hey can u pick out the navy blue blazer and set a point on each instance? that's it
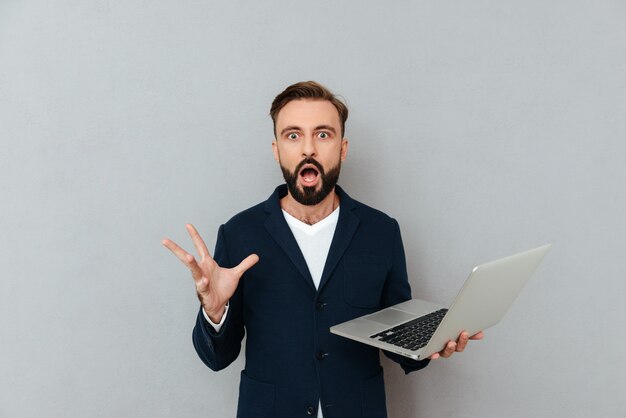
(292, 359)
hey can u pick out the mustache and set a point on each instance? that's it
(311, 161)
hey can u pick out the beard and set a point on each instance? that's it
(309, 196)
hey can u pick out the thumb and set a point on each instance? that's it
(247, 262)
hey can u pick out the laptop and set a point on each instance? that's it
(418, 329)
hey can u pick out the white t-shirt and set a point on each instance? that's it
(314, 241)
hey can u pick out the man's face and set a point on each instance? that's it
(309, 148)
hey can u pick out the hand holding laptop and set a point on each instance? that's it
(457, 346)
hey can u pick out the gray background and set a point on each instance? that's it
(484, 127)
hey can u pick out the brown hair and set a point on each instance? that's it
(308, 90)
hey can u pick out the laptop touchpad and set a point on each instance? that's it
(391, 317)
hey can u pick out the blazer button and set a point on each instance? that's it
(319, 306)
(310, 410)
(320, 355)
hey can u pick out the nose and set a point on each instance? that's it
(308, 147)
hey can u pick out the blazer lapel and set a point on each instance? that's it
(346, 227)
(279, 230)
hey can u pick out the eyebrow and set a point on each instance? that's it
(317, 128)
(326, 127)
(290, 128)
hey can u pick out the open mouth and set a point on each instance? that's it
(309, 175)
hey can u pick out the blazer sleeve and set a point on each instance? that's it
(219, 349)
(397, 289)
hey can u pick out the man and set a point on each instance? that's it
(288, 269)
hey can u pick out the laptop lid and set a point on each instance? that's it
(486, 296)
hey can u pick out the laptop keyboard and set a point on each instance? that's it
(414, 334)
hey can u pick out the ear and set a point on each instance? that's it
(275, 150)
(344, 149)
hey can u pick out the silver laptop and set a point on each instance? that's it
(418, 329)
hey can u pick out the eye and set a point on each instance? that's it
(323, 135)
(292, 135)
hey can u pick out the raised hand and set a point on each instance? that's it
(214, 285)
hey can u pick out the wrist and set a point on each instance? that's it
(215, 315)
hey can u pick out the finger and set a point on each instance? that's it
(178, 251)
(247, 262)
(462, 342)
(198, 242)
(187, 259)
(202, 286)
(196, 271)
(478, 336)
(449, 350)
(434, 356)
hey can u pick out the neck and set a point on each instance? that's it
(313, 213)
